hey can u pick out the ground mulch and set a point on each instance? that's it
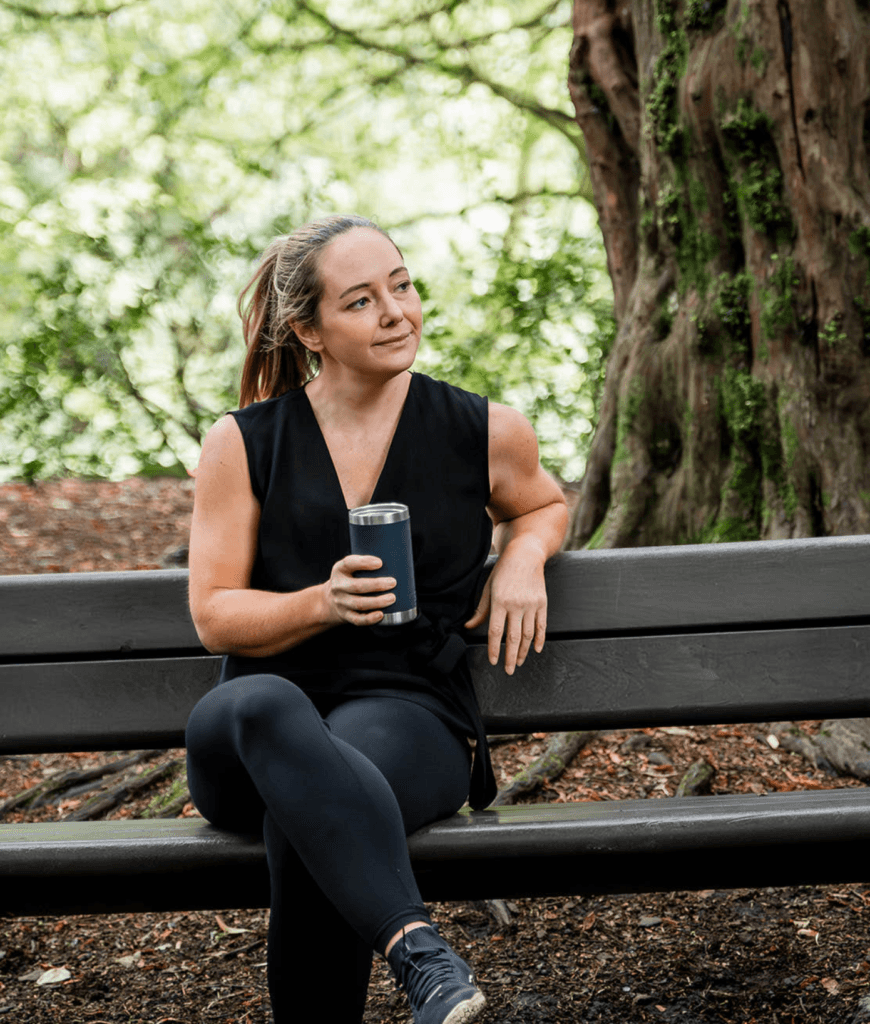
(752, 956)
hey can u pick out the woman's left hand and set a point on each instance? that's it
(515, 598)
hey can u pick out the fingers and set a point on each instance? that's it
(359, 599)
(520, 628)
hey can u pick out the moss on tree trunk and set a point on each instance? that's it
(730, 152)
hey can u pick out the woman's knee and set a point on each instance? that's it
(259, 704)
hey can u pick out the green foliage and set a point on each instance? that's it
(741, 32)
(859, 243)
(763, 446)
(743, 403)
(535, 335)
(731, 306)
(628, 411)
(700, 15)
(146, 158)
(778, 301)
(669, 68)
(758, 186)
(832, 333)
(759, 59)
(679, 206)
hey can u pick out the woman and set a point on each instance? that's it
(334, 735)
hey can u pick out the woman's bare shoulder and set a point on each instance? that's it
(222, 444)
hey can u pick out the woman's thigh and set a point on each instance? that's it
(426, 764)
(220, 784)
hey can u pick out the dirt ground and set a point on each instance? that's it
(773, 956)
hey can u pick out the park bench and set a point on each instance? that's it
(746, 632)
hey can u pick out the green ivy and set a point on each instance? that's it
(670, 66)
(832, 334)
(701, 14)
(778, 301)
(628, 411)
(748, 137)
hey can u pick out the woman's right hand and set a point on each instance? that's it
(355, 599)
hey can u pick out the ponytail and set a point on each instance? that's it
(286, 289)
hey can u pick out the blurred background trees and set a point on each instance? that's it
(720, 150)
(150, 150)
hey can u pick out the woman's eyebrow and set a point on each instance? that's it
(367, 284)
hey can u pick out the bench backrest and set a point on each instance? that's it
(720, 633)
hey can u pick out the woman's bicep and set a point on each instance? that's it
(518, 482)
(226, 515)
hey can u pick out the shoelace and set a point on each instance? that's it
(424, 971)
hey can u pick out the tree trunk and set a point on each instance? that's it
(729, 144)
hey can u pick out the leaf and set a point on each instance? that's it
(53, 976)
(224, 927)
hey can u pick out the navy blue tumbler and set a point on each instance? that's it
(384, 530)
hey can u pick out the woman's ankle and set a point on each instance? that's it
(405, 928)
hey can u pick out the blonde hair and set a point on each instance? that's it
(286, 289)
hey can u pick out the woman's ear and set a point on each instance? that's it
(309, 336)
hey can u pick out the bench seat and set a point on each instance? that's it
(588, 847)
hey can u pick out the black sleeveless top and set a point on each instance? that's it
(437, 465)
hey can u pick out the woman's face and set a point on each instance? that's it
(370, 312)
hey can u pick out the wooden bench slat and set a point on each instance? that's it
(630, 589)
(103, 705)
(768, 675)
(693, 679)
(585, 847)
(85, 612)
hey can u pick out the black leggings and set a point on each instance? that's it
(335, 796)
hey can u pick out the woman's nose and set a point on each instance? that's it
(392, 311)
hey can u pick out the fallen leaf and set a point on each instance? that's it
(53, 976)
(235, 931)
(831, 986)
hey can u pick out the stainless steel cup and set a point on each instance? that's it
(384, 530)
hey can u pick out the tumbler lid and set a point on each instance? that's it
(380, 514)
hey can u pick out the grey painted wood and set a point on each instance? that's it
(69, 613)
(585, 847)
(630, 589)
(103, 705)
(715, 585)
(766, 675)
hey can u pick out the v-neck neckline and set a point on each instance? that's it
(330, 461)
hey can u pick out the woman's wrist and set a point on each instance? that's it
(527, 545)
(328, 616)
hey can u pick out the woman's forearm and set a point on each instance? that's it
(258, 623)
(542, 530)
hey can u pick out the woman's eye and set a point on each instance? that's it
(404, 286)
(358, 304)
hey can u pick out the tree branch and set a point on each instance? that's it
(37, 15)
(468, 75)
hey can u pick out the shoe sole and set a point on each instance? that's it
(466, 1011)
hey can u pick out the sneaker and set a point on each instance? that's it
(439, 984)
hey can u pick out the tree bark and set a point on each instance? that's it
(729, 146)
